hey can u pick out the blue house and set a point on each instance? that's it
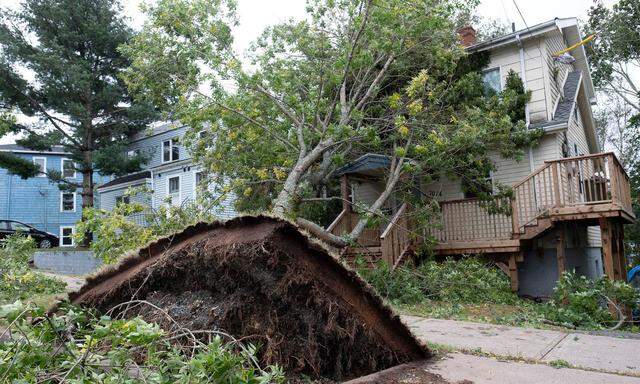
(38, 202)
(169, 174)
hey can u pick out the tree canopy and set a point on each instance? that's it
(615, 57)
(354, 76)
(60, 68)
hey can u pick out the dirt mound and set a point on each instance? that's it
(260, 279)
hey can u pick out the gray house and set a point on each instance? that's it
(169, 174)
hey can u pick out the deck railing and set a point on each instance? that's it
(396, 239)
(345, 222)
(554, 188)
(470, 220)
(570, 182)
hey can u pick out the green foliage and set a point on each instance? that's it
(75, 96)
(317, 95)
(80, 347)
(17, 280)
(581, 302)
(465, 281)
(470, 289)
(130, 226)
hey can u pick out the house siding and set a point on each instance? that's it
(150, 145)
(36, 201)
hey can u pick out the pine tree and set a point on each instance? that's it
(60, 67)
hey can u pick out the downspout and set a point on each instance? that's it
(526, 107)
(153, 190)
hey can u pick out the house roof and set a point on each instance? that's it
(55, 150)
(567, 103)
(156, 130)
(365, 163)
(139, 176)
(571, 33)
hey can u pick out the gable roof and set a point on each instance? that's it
(130, 178)
(15, 148)
(567, 103)
(570, 30)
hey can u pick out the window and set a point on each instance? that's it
(133, 153)
(68, 168)
(123, 199)
(67, 202)
(174, 185)
(491, 81)
(170, 150)
(66, 236)
(42, 163)
(200, 181)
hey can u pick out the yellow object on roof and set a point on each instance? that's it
(574, 46)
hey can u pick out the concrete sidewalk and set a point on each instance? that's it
(600, 353)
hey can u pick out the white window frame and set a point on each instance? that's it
(195, 183)
(171, 146)
(179, 186)
(41, 174)
(74, 201)
(499, 68)
(135, 152)
(62, 168)
(73, 232)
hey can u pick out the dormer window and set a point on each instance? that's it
(491, 81)
(170, 150)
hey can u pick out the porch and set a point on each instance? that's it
(592, 189)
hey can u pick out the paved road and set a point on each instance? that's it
(73, 282)
(616, 356)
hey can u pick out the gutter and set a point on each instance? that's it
(523, 75)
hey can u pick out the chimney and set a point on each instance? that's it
(467, 35)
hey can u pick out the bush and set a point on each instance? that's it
(76, 346)
(581, 302)
(115, 233)
(465, 281)
(17, 280)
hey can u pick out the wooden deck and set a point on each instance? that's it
(585, 188)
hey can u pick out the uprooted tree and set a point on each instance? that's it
(355, 76)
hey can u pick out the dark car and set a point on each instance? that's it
(43, 239)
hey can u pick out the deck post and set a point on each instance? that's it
(560, 249)
(613, 179)
(513, 272)
(514, 217)
(556, 184)
(345, 192)
(607, 248)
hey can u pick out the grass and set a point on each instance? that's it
(522, 314)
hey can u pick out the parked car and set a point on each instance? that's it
(43, 239)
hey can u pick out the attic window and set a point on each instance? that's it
(491, 81)
(170, 150)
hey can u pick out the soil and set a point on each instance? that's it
(261, 280)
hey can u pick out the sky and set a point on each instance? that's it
(255, 15)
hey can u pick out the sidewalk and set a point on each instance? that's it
(579, 350)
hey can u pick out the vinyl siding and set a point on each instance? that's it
(151, 146)
(508, 58)
(108, 198)
(36, 201)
